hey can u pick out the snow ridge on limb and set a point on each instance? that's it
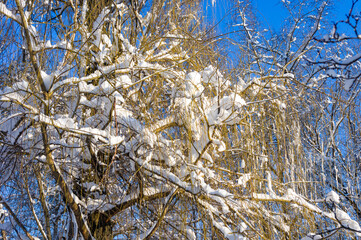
(8, 13)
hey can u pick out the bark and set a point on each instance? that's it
(3, 234)
(67, 193)
(101, 225)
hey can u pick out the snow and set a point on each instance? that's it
(74, 226)
(333, 31)
(221, 145)
(3, 212)
(4, 10)
(193, 86)
(312, 236)
(332, 197)
(227, 232)
(348, 84)
(91, 186)
(64, 44)
(211, 76)
(243, 179)
(347, 222)
(207, 157)
(350, 60)
(66, 122)
(194, 78)
(331, 73)
(106, 88)
(106, 40)
(232, 100)
(11, 124)
(183, 147)
(170, 161)
(225, 111)
(47, 79)
(22, 85)
(93, 131)
(219, 192)
(98, 204)
(74, 80)
(243, 164)
(115, 140)
(342, 37)
(289, 75)
(124, 81)
(48, 44)
(167, 175)
(292, 196)
(18, 99)
(190, 234)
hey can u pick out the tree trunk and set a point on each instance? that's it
(3, 233)
(101, 226)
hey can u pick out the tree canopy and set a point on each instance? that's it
(135, 119)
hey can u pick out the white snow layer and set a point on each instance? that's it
(333, 197)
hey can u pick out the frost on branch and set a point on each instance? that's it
(127, 128)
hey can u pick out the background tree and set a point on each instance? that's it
(326, 97)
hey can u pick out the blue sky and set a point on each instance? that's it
(271, 12)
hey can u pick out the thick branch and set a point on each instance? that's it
(67, 194)
(126, 204)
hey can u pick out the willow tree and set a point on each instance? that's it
(120, 122)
